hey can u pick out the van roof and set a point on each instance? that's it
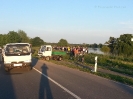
(16, 43)
(46, 45)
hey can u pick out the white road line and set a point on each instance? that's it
(77, 97)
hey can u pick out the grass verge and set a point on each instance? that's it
(117, 78)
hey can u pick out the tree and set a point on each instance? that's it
(124, 45)
(111, 44)
(62, 42)
(100, 45)
(24, 37)
(87, 45)
(37, 41)
(121, 46)
(3, 39)
(13, 37)
(94, 46)
(105, 49)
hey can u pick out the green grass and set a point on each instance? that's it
(114, 64)
(118, 78)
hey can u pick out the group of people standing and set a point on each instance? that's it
(78, 53)
(75, 52)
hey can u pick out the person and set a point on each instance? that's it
(71, 53)
(82, 59)
(68, 49)
(86, 50)
(76, 52)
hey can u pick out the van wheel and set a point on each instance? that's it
(43, 58)
(47, 58)
(60, 58)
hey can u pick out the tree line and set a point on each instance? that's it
(115, 46)
(122, 46)
(20, 36)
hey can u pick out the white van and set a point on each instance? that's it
(45, 52)
(17, 55)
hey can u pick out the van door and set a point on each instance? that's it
(48, 51)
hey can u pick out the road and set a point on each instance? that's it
(50, 81)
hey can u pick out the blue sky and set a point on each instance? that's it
(77, 21)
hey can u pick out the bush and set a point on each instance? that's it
(35, 54)
(115, 63)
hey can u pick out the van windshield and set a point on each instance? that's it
(18, 49)
(43, 48)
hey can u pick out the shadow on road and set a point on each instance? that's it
(34, 62)
(6, 86)
(44, 89)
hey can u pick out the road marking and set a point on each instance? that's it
(77, 97)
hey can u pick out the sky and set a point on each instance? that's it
(77, 21)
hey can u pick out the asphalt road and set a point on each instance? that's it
(50, 81)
